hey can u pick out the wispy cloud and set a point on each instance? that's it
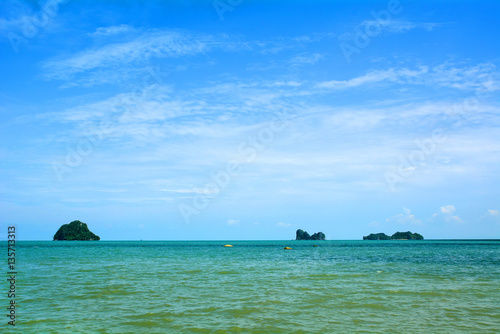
(448, 212)
(112, 30)
(138, 50)
(404, 218)
(305, 59)
(392, 26)
(401, 26)
(491, 215)
(119, 59)
(446, 75)
(391, 75)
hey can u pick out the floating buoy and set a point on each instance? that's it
(228, 245)
(287, 248)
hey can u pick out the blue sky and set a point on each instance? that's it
(225, 119)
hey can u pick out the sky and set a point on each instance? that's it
(247, 120)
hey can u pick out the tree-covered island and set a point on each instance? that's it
(396, 236)
(76, 230)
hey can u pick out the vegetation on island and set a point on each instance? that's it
(76, 230)
(377, 236)
(396, 236)
(407, 236)
(303, 235)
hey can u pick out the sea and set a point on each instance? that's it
(396, 286)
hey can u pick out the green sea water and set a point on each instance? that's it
(257, 287)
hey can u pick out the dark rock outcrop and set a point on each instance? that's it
(303, 235)
(76, 230)
(318, 236)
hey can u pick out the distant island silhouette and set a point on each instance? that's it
(76, 230)
(396, 236)
(303, 235)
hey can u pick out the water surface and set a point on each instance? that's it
(258, 287)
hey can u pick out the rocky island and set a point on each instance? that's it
(303, 235)
(396, 236)
(76, 230)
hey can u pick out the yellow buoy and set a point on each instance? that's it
(228, 245)
(287, 248)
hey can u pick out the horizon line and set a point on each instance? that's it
(429, 239)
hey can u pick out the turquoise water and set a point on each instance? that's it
(258, 287)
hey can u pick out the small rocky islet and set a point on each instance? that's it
(303, 235)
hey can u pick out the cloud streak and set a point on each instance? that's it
(136, 50)
(112, 30)
(445, 75)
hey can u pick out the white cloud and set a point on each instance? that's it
(493, 212)
(447, 212)
(405, 218)
(448, 209)
(281, 224)
(112, 30)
